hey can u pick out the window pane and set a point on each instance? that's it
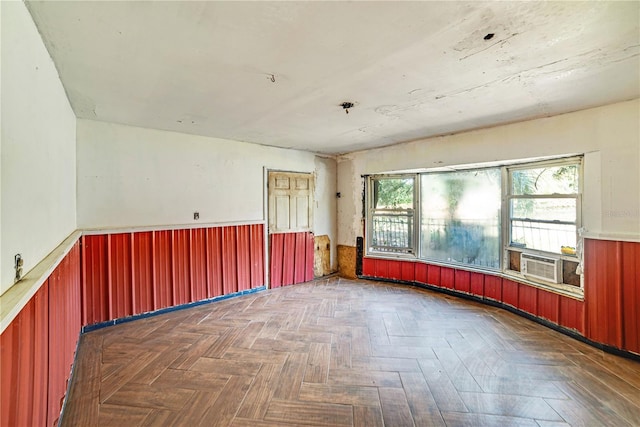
(547, 180)
(544, 209)
(461, 217)
(392, 231)
(543, 224)
(393, 193)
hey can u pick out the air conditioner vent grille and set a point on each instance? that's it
(547, 269)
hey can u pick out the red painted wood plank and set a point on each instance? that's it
(368, 267)
(41, 349)
(181, 285)
(463, 281)
(162, 275)
(382, 268)
(276, 258)
(288, 258)
(603, 291)
(256, 247)
(421, 272)
(394, 269)
(95, 287)
(572, 314)
(142, 272)
(549, 306)
(408, 271)
(528, 299)
(17, 347)
(433, 275)
(630, 269)
(198, 267)
(229, 261)
(493, 287)
(308, 275)
(447, 277)
(120, 274)
(243, 247)
(510, 292)
(300, 257)
(57, 343)
(214, 262)
(476, 286)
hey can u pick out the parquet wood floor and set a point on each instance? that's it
(336, 352)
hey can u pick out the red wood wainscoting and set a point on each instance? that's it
(38, 348)
(107, 277)
(291, 258)
(612, 293)
(127, 274)
(609, 314)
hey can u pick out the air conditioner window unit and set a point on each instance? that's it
(547, 269)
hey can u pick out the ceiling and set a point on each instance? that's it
(275, 73)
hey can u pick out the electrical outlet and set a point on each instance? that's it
(18, 263)
(196, 215)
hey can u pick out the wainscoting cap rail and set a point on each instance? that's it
(17, 296)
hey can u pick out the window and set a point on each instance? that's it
(521, 219)
(460, 217)
(391, 214)
(543, 207)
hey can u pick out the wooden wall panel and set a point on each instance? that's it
(528, 299)
(229, 261)
(603, 291)
(394, 269)
(549, 306)
(572, 314)
(462, 281)
(256, 248)
(288, 259)
(198, 264)
(119, 275)
(162, 274)
(510, 292)
(243, 242)
(291, 258)
(408, 271)
(493, 287)
(433, 275)
(214, 262)
(37, 348)
(142, 272)
(309, 259)
(180, 267)
(477, 284)
(631, 296)
(95, 287)
(421, 272)
(447, 277)
(369, 267)
(382, 268)
(277, 259)
(300, 257)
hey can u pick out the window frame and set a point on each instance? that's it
(411, 251)
(508, 243)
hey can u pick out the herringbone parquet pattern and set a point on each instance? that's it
(336, 352)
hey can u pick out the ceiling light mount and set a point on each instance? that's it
(346, 105)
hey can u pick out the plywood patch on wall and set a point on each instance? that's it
(347, 261)
(322, 256)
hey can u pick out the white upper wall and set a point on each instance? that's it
(133, 177)
(38, 173)
(609, 137)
